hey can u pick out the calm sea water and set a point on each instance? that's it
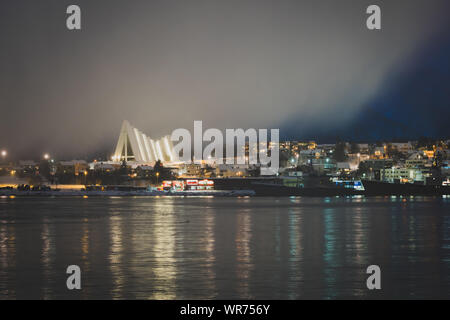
(224, 248)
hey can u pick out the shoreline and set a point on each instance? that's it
(190, 194)
(79, 193)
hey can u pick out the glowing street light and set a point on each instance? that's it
(4, 153)
(46, 156)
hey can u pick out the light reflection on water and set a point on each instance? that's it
(219, 248)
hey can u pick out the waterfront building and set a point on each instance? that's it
(379, 152)
(77, 167)
(102, 166)
(406, 175)
(190, 170)
(231, 170)
(403, 147)
(363, 148)
(27, 166)
(323, 165)
(417, 160)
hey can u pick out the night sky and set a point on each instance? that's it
(310, 68)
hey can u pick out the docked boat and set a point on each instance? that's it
(388, 188)
(277, 190)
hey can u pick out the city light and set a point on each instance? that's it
(46, 156)
(4, 153)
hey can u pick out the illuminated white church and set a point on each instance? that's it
(135, 146)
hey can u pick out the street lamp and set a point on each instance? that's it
(46, 156)
(4, 153)
(157, 176)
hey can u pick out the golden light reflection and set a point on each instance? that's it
(243, 254)
(330, 252)
(210, 250)
(295, 253)
(7, 259)
(85, 244)
(47, 254)
(152, 257)
(359, 233)
(116, 255)
(164, 270)
(359, 239)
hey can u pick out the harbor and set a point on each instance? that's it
(234, 187)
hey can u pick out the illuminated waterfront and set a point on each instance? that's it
(189, 248)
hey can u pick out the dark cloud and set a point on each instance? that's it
(163, 64)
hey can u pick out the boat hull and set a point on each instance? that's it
(263, 189)
(386, 188)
